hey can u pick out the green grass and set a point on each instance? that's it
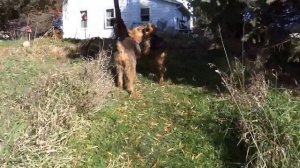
(17, 76)
(19, 72)
(11, 43)
(181, 124)
(163, 127)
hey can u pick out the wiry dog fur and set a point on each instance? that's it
(155, 49)
(127, 52)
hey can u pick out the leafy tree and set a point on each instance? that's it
(258, 23)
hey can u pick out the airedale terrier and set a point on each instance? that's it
(154, 49)
(127, 52)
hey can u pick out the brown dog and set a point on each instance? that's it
(155, 49)
(128, 50)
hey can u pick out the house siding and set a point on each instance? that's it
(95, 23)
(161, 13)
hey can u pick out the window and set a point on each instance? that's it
(182, 23)
(109, 18)
(145, 14)
(84, 18)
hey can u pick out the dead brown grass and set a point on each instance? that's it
(40, 48)
(3, 51)
(54, 109)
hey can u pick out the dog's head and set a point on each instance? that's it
(137, 33)
(149, 29)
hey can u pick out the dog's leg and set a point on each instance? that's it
(120, 73)
(119, 58)
(161, 69)
(130, 74)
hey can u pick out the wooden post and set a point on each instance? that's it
(28, 34)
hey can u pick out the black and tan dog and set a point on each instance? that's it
(125, 57)
(154, 51)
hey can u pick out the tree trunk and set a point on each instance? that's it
(119, 26)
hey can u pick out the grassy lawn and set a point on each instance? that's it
(17, 75)
(20, 70)
(10, 43)
(50, 115)
(170, 126)
(165, 126)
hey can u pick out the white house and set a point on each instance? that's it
(83, 19)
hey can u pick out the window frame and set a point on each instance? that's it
(143, 15)
(111, 18)
(83, 23)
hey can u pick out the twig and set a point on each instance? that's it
(243, 43)
(224, 49)
(278, 44)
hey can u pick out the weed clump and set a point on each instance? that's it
(260, 119)
(55, 108)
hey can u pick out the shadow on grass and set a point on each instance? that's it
(90, 48)
(190, 62)
(192, 67)
(233, 151)
(210, 122)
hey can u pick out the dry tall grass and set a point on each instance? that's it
(54, 108)
(261, 119)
